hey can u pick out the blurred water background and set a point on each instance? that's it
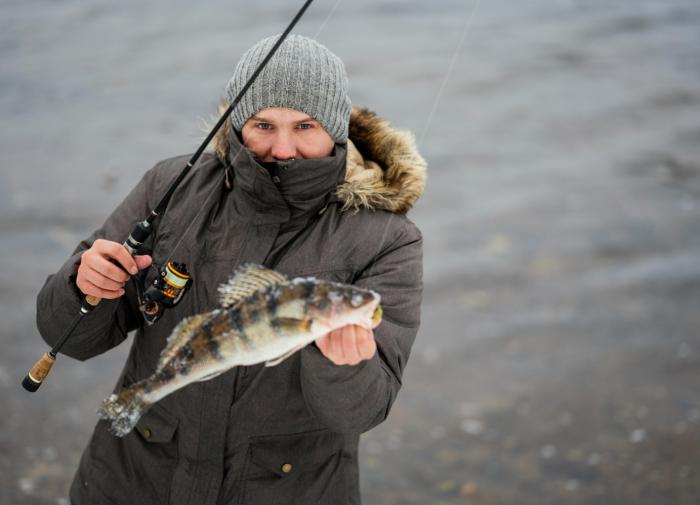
(559, 356)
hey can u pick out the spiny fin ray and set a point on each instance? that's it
(246, 280)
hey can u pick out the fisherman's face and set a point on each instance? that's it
(278, 134)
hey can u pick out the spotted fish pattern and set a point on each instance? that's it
(264, 318)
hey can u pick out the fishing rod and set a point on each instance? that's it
(174, 280)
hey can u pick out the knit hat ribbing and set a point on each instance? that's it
(302, 75)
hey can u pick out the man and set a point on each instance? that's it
(302, 184)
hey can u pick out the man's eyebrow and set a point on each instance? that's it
(265, 120)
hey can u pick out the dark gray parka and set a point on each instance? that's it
(256, 435)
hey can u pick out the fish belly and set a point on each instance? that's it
(210, 354)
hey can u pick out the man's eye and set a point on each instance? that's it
(304, 126)
(263, 126)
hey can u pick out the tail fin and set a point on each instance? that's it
(124, 409)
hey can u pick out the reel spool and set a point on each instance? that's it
(166, 291)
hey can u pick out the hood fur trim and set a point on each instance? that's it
(383, 170)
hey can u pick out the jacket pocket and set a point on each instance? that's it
(157, 426)
(302, 468)
(136, 468)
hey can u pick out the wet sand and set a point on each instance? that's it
(559, 353)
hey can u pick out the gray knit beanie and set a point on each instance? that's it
(302, 75)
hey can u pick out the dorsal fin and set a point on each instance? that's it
(181, 334)
(246, 280)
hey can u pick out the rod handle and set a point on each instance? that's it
(90, 302)
(38, 372)
(93, 301)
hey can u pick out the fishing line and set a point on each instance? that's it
(438, 97)
(379, 249)
(235, 158)
(143, 229)
(448, 75)
(202, 208)
(323, 25)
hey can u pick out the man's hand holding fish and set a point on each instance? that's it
(348, 345)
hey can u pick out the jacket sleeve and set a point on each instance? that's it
(354, 399)
(59, 300)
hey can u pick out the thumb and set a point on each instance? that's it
(143, 261)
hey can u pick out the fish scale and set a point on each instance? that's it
(264, 317)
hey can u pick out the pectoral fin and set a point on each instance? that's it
(210, 376)
(277, 361)
(291, 325)
(180, 335)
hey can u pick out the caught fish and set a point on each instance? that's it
(264, 317)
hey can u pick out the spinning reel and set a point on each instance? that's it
(165, 292)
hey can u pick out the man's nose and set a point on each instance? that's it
(283, 147)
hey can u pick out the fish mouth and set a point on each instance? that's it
(376, 316)
(369, 317)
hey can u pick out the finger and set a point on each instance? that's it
(360, 337)
(143, 261)
(336, 341)
(96, 278)
(350, 345)
(97, 259)
(89, 288)
(323, 345)
(108, 269)
(119, 253)
(366, 345)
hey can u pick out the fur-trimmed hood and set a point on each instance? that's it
(383, 168)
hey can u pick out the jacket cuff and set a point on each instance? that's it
(346, 398)
(59, 303)
(68, 274)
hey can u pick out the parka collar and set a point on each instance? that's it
(384, 169)
(285, 192)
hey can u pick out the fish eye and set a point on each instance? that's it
(356, 300)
